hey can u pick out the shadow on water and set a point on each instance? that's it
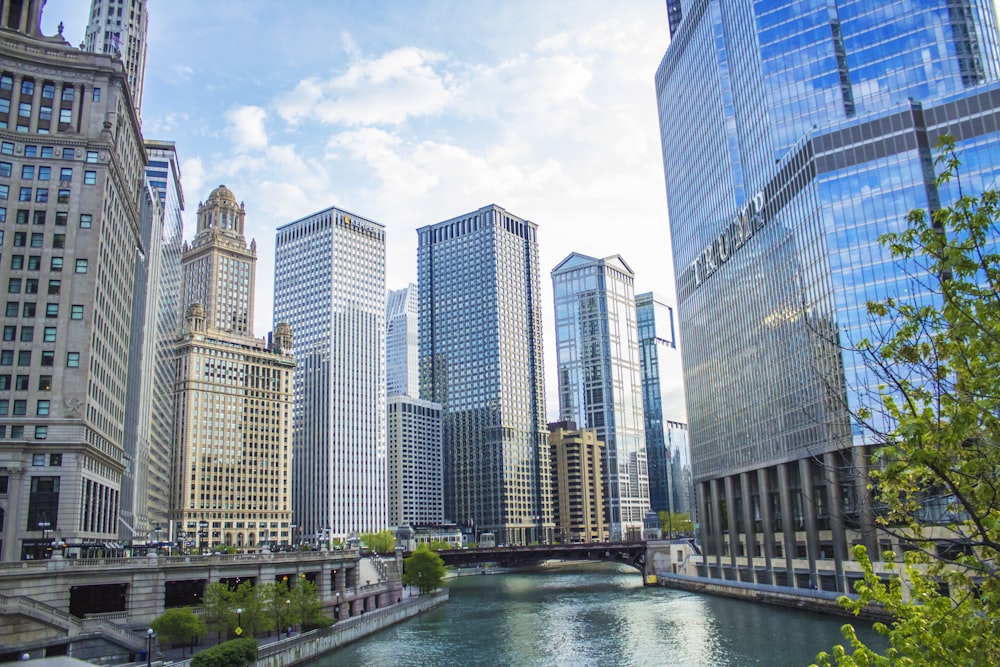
(595, 615)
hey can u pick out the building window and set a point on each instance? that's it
(23, 111)
(27, 87)
(4, 407)
(55, 460)
(38, 218)
(67, 94)
(16, 432)
(28, 310)
(10, 332)
(12, 307)
(37, 240)
(24, 194)
(49, 335)
(42, 195)
(6, 357)
(34, 262)
(7, 147)
(81, 266)
(73, 359)
(66, 116)
(5, 382)
(58, 240)
(20, 239)
(97, 94)
(48, 358)
(92, 156)
(38, 460)
(45, 383)
(42, 408)
(85, 220)
(5, 169)
(24, 358)
(27, 334)
(14, 286)
(20, 407)
(31, 286)
(68, 153)
(44, 173)
(90, 177)
(56, 264)
(16, 262)
(48, 90)
(66, 174)
(76, 312)
(27, 172)
(51, 310)
(54, 287)
(43, 501)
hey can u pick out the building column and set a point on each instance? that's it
(15, 514)
(749, 534)
(703, 532)
(836, 519)
(767, 523)
(863, 499)
(732, 524)
(809, 511)
(787, 522)
(716, 510)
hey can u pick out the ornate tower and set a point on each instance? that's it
(118, 28)
(218, 268)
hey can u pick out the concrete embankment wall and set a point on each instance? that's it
(311, 645)
(823, 602)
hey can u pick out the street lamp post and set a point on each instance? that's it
(239, 621)
(288, 617)
(336, 606)
(44, 526)
(293, 526)
(149, 647)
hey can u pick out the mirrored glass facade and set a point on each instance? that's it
(481, 359)
(671, 488)
(600, 382)
(810, 134)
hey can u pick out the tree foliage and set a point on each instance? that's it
(179, 625)
(937, 356)
(423, 569)
(383, 542)
(234, 653)
(674, 523)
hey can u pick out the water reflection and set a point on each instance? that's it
(593, 616)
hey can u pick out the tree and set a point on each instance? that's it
(252, 617)
(936, 355)
(423, 569)
(306, 605)
(674, 523)
(218, 606)
(277, 604)
(383, 542)
(179, 625)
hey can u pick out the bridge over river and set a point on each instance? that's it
(627, 553)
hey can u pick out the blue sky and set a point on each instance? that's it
(410, 113)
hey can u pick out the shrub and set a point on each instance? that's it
(235, 653)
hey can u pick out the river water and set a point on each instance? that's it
(594, 615)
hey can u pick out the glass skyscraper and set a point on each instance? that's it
(600, 382)
(810, 133)
(329, 284)
(670, 485)
(402, 374)
(481, 359)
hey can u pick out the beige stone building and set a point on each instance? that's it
(71, 165)
(578, 491)
(233, 396)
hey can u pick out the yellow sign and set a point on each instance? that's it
(238, 631)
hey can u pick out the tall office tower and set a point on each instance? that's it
(164, 175)
(809, 134)
(218, 267)
(670, 485)
(481, 359)
(118, 27)
(233, 398)
(600, 380)
(71, 160)
(577, 483)
(329, 283)
(402, 376)
(134, 523)
(415, 464)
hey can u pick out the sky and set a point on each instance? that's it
(409, 113)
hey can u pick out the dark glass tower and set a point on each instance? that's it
(810, 133)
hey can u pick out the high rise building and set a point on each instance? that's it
(402, 375)
(329, 284)
(671, 488)
(481, 358)
(118, 27)
(219, 268)
(577, 483)
(600, 381)
(71, 161)
(233, 396)
(164, 175)
(149, 410)
(810, 133)
(415, 465)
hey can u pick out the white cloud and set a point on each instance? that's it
(387, 90)
(246, 128)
